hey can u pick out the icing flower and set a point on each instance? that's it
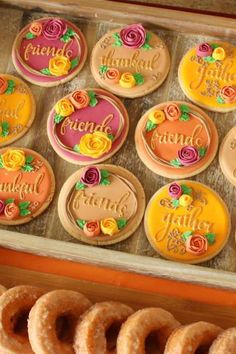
(204, 50)
(92, 228)
(95, 145)
(91, 176)
(109, 226)
(196, 244)
(175, 190)
(80, 99)
(11, 211)
(133, 36)
(3, 85)
(157, 116)
(218, 53)
(185, 200)
(172, 112)
(112, 75)
(127, 80)
(2, 206)
(13, 160)
(228, 93)
(59, 65)
(64, 107)
(54, 29)
(188, 155)
(36, 28)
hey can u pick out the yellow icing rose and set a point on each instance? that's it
(109, 226)
(64, 107)
(185, 200)
(13, 160)
(157, 116)
(59, 65)
(218, 53)
(127, 80)
(95, 145)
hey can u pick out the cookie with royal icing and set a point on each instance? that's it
(49, 51)
(227, 156)
(101, 204)
(207, 75)
(176, 139)
(27, 185)
(180, 224)
(130, 61)
(17, 109)
(87, 126)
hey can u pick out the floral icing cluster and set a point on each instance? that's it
(210, 52)
(125, 80)
(60, 65)
(196, 243)
(227, 94)
(188, 155)
(6, 86)
(181, 195)
(133, 37)
(12, 211)
(14, 160)
(92, 176)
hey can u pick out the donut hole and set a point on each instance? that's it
(111, 335)
(19, 323)
(65, 328)
(154, 343)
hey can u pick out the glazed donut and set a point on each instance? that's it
(196, 337)
(53, 319)
(15, 305)
(2, 289)
(146, 330)
(102, 319)
(224, 343)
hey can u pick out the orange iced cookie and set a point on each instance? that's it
(227, 156)
(176, 139)
(180, 223)
(207, 75)
(17, 109)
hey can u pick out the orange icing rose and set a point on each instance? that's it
(127, 80)
(112, 75)
(95, 145)
(218, 53)
(196, 244)
(59, 65)
(172, 112)
(228, 93)
(3, 85)
(64, 107)
(11, 211)
(157, 116)
(36, 28)
(80, 99)
(109, 226)
(92, 228)
(13, 160)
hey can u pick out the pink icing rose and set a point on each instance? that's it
(204, 50)
(92, 228)
(2, 206)
(54, 29)
(196, 244)
(188, 155)
(91, 176)
(133, 36)
(175, 190)
(228, 93)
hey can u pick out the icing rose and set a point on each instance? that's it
(11, 211)
(54, 29)
(133, 36)
(112, 75)
(175, 190)
(157, 116)
(80, 99)
(204, 50)
(91, 176)
(36, 28)
(59, 65)
(3, 85)
(228, 93)
(218, 53)
(127, 80)
(64, 107)
(95, 145)
(196, 244)
(2, 206)
(13, 160)
(109, 226)
(188, 155)
(185, 200)
(172, 112)
(92, 228)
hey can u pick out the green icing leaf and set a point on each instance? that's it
(29, 35)
(148, 36)
(70, 32)
(214, 46)
(1, 163)
(9, 200)
(175, 162)
(79, 186)
(24, 212)
(105, 173)
(45, 71)
(81, 223)
(220, 100)
(146, 46)
(93, 100)
(211, 237)
(5, 129)
(202, 151)
(74, 62)
(103, 69)
(118, 41)
(150, 126)
(184, 117)
(121, 223)
(27, 168)
(175, 202)
(105, 182)
(29, 159)
(111, 137)
(186, 189)
(58, 118)
(184, 108)
(187, 234)
(76, 148)
(209, 59)
(10, 87)
(139, 79)
(11, 83)
(65, 38)
(24, 205)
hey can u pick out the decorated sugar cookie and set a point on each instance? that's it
(17, 109)
(49, 51)
(130, 62)
(227, 156)
(207, 75)
(87, 126)
(101, 204)
(176, 139)
(187, 221)
(27, 185)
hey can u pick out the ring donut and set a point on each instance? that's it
(146, 330)
(195, 337)
(224, 343)
(97, 332)
(15, 305)
(2, 289)
(53, 319)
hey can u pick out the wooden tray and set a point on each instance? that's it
(180, 30)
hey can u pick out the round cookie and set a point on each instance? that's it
(49, 51)
(207, 76)
(227, 156)
(176, 139)
(186, 229)
(27, 185)
(130, 61)
(101, 204)
(17, 109)
(87, 126)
